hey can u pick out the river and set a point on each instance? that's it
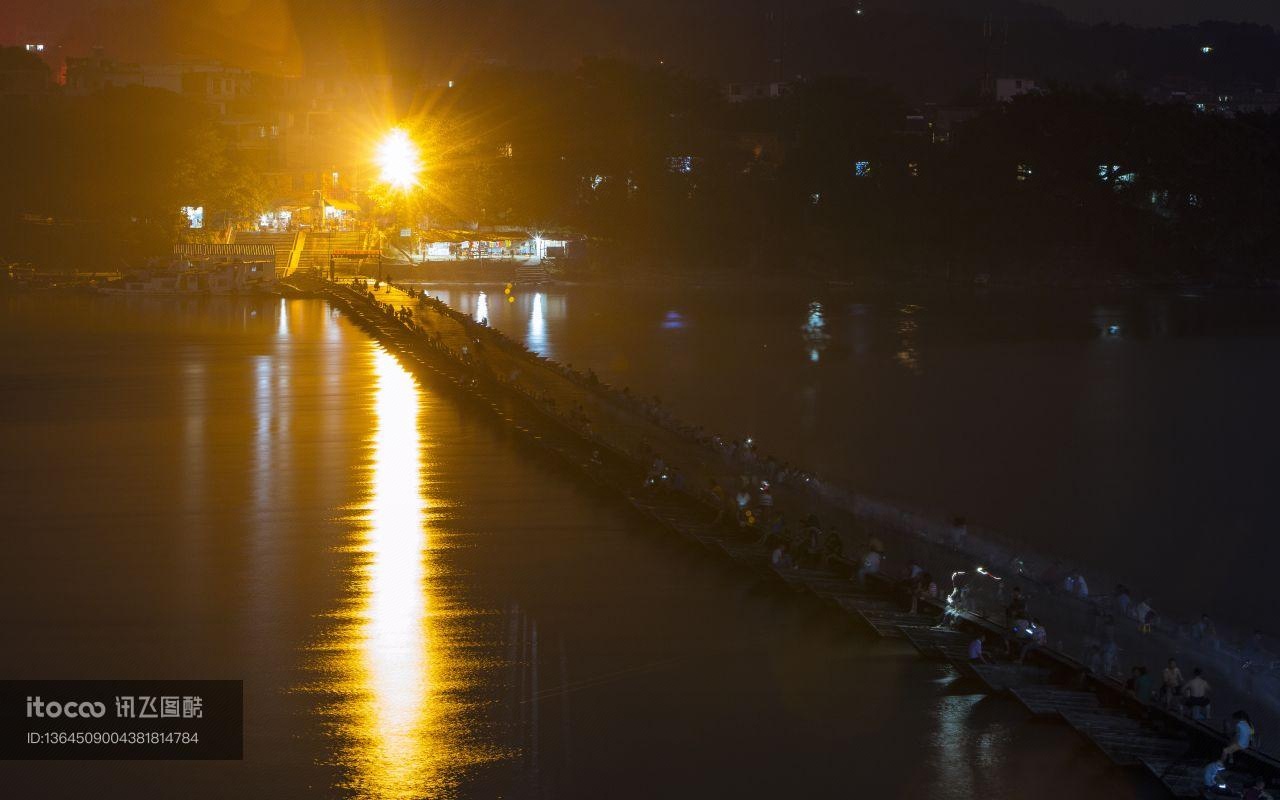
(1136, 432)
(420, 606)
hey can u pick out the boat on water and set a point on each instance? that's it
(220, 277)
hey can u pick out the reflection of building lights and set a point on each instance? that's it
(815, 331)
(537, 336)
(482, 308)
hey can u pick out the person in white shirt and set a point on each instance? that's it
(781, 557)
(1141, 611)
(1196, 696)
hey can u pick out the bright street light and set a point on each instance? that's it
(399, 160)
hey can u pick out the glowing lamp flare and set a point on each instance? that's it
(398, 160)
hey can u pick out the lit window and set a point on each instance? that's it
(913, 169)
(194, 215)
(1207, 49)
(862, 169)
(1024, 172)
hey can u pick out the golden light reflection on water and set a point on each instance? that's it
(399, 667)
(395, 618)
(395, 725)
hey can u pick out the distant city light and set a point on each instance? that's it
(1207, 49)
(862, 169)
(35, 48)
(682, 165)
(398, 160)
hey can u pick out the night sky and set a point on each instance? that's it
(1169, 12)
(269, 33)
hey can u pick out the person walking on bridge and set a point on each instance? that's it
(1082, 588)
(719, 499)
(871, 561)
(1196, 696)
(1017, 608)
(1170, 683)
(1036, 637)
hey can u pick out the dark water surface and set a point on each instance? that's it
(420, 607)
(1138, 433)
